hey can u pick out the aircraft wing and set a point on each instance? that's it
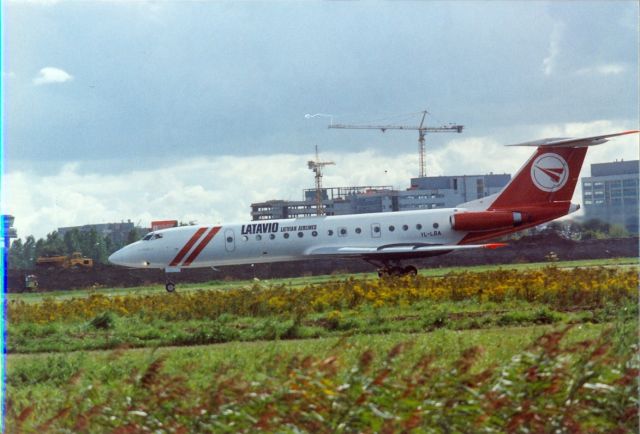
(396, 249)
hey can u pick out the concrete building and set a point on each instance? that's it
(118, 232)
(610, 194)
(336, 201)
(450, 191)
(425, 193)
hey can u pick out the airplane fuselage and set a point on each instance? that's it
(289, 239)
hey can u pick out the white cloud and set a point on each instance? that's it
(49, 75)
(604, 69)
(549, 63)
(217, 189)
(220, 189)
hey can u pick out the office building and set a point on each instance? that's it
(610, 194)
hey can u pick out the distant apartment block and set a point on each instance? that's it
(425, 193)
(611, 193)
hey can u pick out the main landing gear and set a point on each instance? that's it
(389, 269)
(409, 270)
(170, 286)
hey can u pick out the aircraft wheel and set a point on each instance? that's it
(410, 270)
(170, 286)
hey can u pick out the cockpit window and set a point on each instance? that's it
(151, 236)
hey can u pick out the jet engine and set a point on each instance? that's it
(477, 221)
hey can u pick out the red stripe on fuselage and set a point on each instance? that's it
(187, 247)
(201, 246)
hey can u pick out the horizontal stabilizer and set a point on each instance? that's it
(397, 248)
(574, 142)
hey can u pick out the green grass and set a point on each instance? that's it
(107, 330)
(103, 360)
(44, 371)
(223, 385)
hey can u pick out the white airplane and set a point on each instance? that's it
(541, 191)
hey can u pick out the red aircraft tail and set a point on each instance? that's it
(540, 192)
(549, 177)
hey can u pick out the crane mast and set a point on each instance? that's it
(317, 167)
(422, 131)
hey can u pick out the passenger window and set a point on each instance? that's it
(358, 230)
(392, 228)
(405, 227)
(435, 225)
(229, 239)
(314, 233)
(418, 226)
(258, 237)
(272, 236)
(343, 231)
(376, 229)
(330, 232)
(286, 235)
(245, 238)
(300, 234)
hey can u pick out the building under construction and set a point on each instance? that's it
(427, 192)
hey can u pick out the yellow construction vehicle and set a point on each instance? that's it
(75, 260)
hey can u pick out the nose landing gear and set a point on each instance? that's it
(170, 286)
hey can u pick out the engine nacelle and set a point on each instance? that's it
(478, 221)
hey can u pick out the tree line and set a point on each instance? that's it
(23, 254)
(592, 229)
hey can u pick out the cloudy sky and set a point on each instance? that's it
(143, 110)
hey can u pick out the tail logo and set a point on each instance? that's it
(549, 172)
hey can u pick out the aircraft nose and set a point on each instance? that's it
(129, 256)
(117, 258)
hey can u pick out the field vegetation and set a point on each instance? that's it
(306, 280)
(537, 349)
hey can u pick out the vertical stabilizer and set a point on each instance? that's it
(549, 176)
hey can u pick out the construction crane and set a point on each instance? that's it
(422, 131)
(317, 167)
